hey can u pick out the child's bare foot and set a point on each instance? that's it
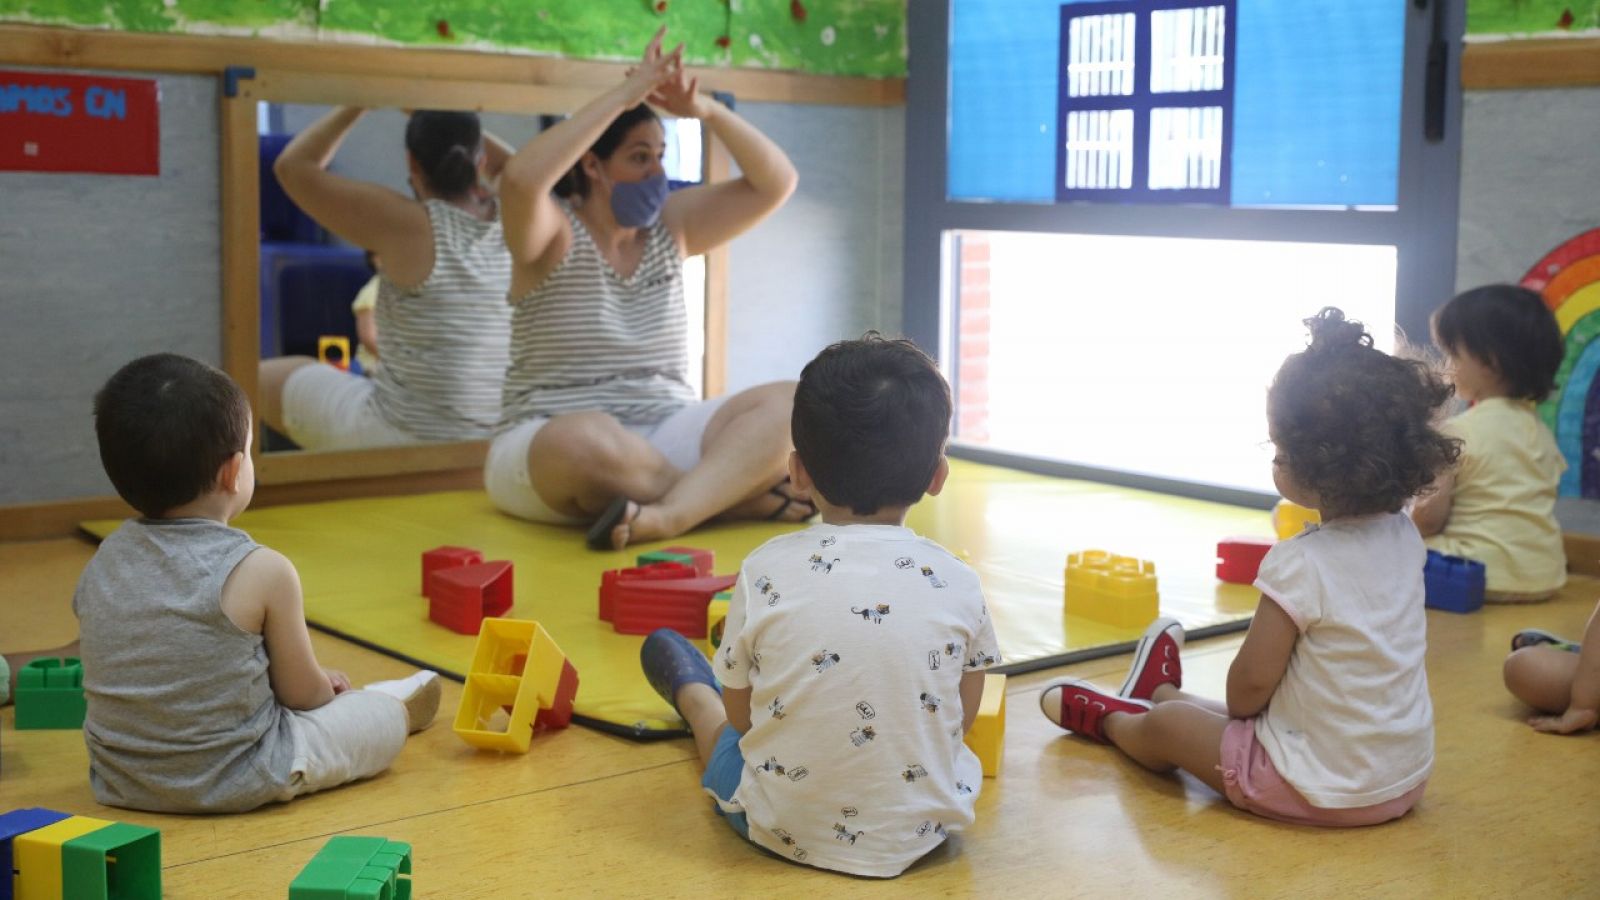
(420, 693)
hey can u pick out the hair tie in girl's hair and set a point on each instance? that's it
(1330, 330)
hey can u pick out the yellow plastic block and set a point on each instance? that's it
(338, 343)
(716, 619)
(1116, 590)
(1289, 519)
(987, 737)
(517, 667)
(37, 856)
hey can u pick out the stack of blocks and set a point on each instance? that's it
(1452, 583)
(50, 694)
(987, 737)
(463, 590)
(671, 588)
(1116, 590)
(371, 868)
(49, 855)
(516, 667)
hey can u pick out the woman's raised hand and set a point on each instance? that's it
(655, 69)
(680, 96)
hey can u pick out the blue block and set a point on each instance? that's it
(1452, 583)
(20, 821)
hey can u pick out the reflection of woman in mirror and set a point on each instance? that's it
(600, 424)
(441, 317)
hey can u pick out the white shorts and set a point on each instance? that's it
(505, 475)
(353, 736)
(325, 408)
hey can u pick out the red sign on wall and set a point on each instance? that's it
(79, 123)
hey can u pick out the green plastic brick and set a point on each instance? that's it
(50, 694)
(346, 868)
(118, 862)
(661, 556)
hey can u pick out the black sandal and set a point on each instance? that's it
(599, 534)
(788, 501)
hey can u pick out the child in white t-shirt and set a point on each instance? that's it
(1327, 720)
(852, 662)
(1498, 506)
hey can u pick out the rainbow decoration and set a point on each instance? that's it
(1568, 278)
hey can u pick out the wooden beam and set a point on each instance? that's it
(203, 54)
(278, 469)
(1521, 64)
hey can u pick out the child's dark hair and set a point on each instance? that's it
(870, 422)
(575, 183)
(1509, 329)
(445, 144)
(1354, 424)
(166, 424)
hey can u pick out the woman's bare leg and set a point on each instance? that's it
(271, 377)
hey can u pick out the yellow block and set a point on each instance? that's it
(1116, 590)
(518, 665)
(987, 737)
(37, 856)
(1289, 519)
(716, 620)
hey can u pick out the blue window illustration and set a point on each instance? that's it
(1145, 102)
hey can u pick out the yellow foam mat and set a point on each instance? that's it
(360, 565)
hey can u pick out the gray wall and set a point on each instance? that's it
(96, 270)
(827, 265)
(1530, 178)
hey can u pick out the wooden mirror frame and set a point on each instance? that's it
(450, 463)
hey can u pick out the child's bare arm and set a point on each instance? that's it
(263, 596)
(1432, 509)
(1583, 712)
(1262, 660)
(736, 701)
(971, 698)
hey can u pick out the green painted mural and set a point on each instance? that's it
(1531, 16)
(829, 37)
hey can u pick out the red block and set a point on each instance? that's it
(559, 713)
(640, 607)
(662, 571)
(703, 559)
(459, 598)
(446, 558)
(1239, 558)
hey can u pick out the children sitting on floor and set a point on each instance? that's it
(852, 662)
(1504, 348)
(204, 694)
(1558, 678)
(1327, 720)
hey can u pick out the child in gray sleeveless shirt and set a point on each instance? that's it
(204, 694)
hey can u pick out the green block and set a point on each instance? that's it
(345, 868)
(50, 694)
(661, 556)
(118, 862)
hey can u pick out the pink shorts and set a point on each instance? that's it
(1253, 784)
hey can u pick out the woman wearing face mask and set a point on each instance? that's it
(443, 327)
(599, 424)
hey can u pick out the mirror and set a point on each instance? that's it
(322, 328)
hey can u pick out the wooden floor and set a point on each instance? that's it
(1507, 812)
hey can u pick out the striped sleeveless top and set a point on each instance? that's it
(587, 339)
(444, 343)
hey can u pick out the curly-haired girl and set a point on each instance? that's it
(1327, 720)
(1498, 507)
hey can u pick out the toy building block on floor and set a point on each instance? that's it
(701, 560)
(660, 595)
(516, 667)
(1239, 558)
(50, 694)
(463, 590)
(1452, 583)
(56, 856)
(1289, 519)
(987, 737)
(1116, 590)
(370, 868)
(716, 621)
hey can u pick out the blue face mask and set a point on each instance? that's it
(637, 204)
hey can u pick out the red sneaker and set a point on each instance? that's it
(1080, 707)
(1155, 661)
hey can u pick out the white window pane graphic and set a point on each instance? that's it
(1186, 49)
(1186, 148)
(1100, 56)
(1099, 149)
